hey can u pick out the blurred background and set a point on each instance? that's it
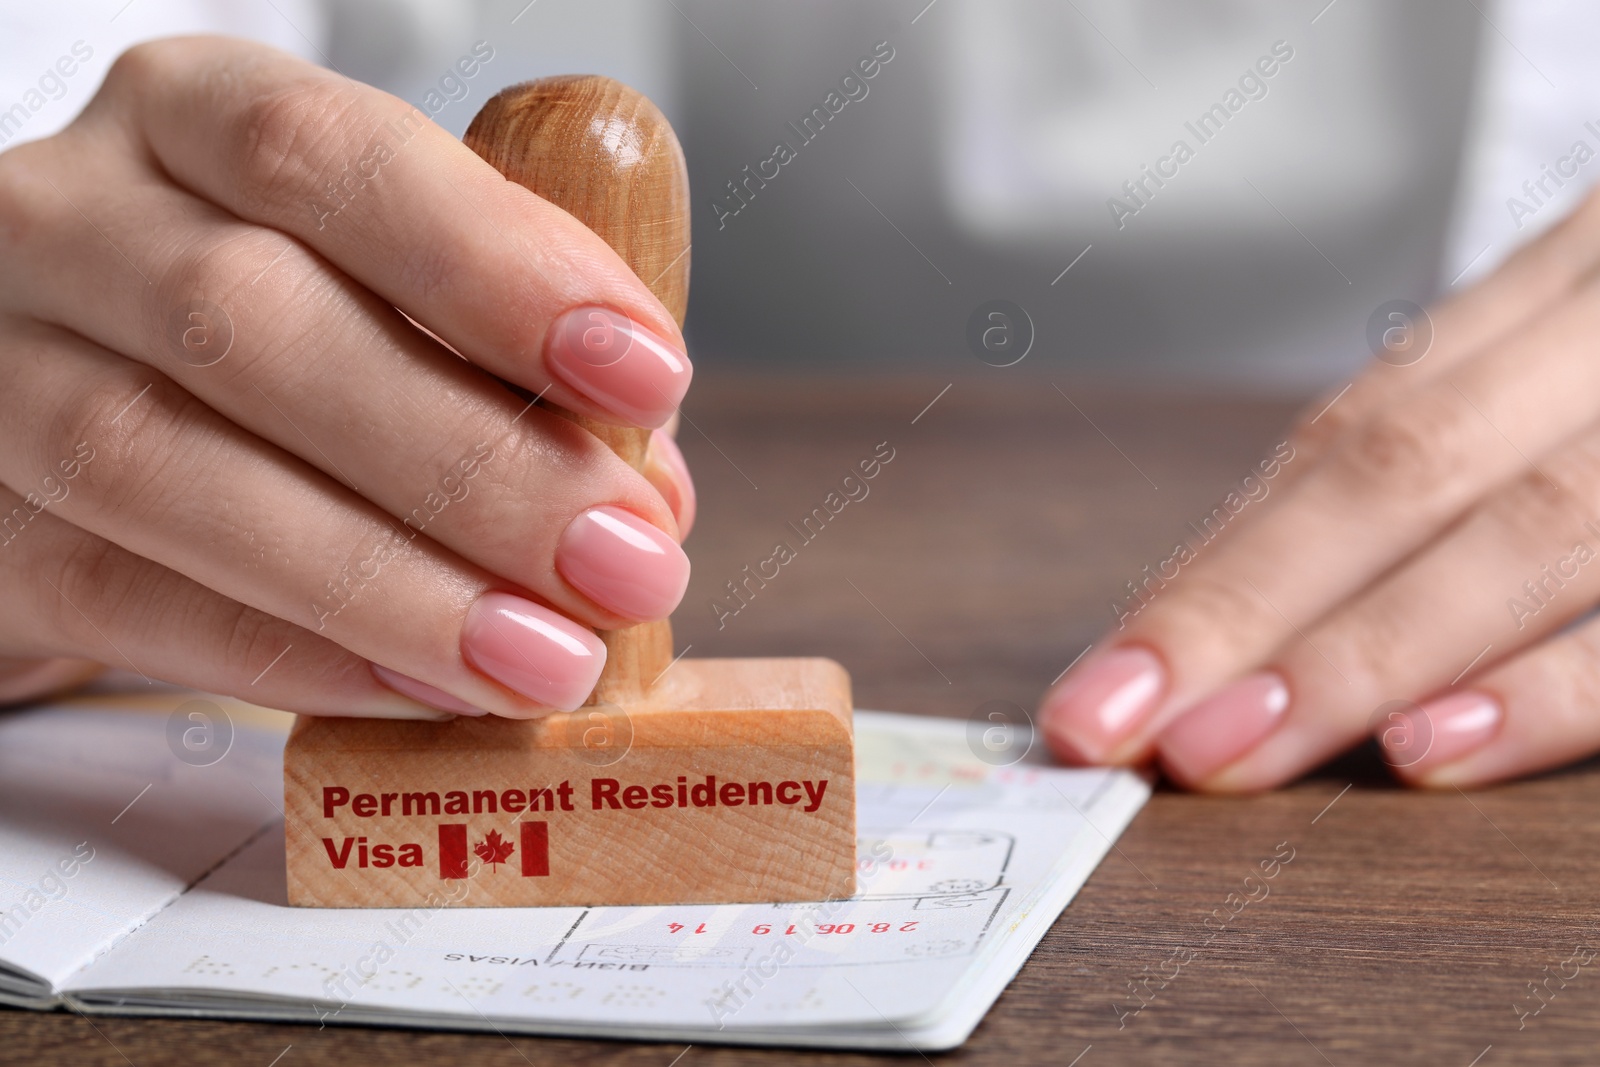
(986, 157)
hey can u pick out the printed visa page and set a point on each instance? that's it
(962, 868)
(102, 824)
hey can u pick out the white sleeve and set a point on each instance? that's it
(53, 56)
(1534, 134)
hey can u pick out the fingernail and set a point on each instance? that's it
(683, 508)
(1219, 730)
(1101, 704)
(423, 692)
(544, 656)
(617, 363)
(623, 563)
(1449, 728)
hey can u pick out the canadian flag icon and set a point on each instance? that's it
(494, 850)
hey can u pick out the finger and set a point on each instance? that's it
(1534, 712)
(1533, 279)
(37, 679)
(1392, 486)
(510, 280)
(158, 473)
(70, 593)
(440, 445)
(1408, 636)
(665, 468)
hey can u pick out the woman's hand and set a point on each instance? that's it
(228, 461)
(1423, 539)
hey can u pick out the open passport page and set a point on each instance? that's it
(142, 873)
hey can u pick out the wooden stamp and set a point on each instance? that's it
(696, 781)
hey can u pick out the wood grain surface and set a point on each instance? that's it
(556, 835)
(606, 155)
(1406, 929)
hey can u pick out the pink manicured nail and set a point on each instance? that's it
(531, 649)
(617, 363)
(623, 563)
(683, 509)
(1217, 731)
(1103, 702)
(423, 692)
(1443, 731)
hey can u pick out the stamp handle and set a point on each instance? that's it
(607, 156)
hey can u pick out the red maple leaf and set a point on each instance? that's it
(494, 849)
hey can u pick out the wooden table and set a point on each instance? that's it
(1408, 928)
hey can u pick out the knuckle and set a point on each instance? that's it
(1536, 515)
(1415, 449)
(127, 442)
(1531, 513)
(1577, 470)
(215, 268)
(489, 470)
(210, 265)
(96, 581)
(90, 582)
(1315, 440)
(281, 137)
(32, 214)
(1558, 683)
(1320, 426)
(251, 637)
(1372, 647)
(1570, 676)
(436, 268)
(1220, 612)
(137, 66)
(79, 419)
